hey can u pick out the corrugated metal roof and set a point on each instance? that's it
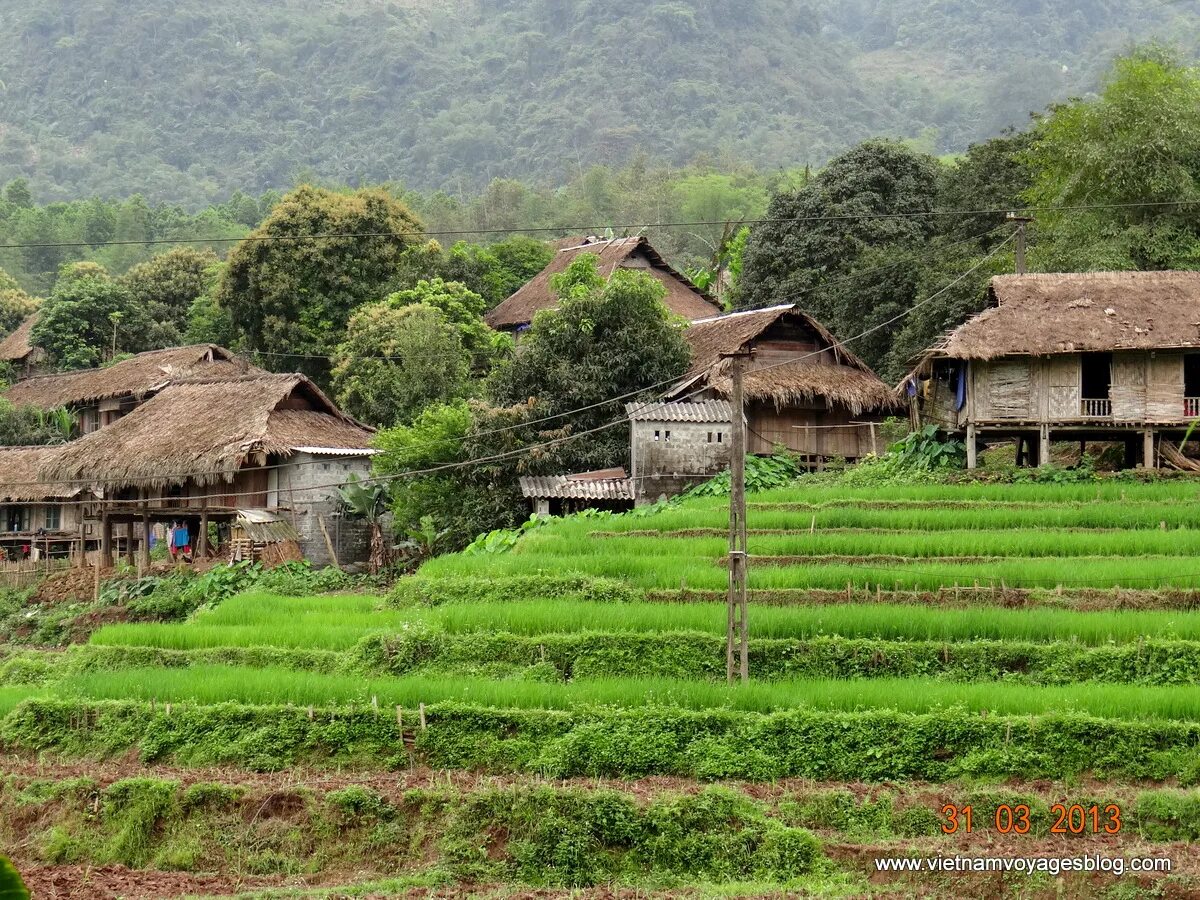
(562, 487)
(265, 527)
(698, 411)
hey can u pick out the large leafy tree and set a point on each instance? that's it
(1134, 149)
(607, 338)
(290, 287)
(167, 286)
(88, 319)
(827, 241)
(494, 271)
(398, 359)
(15, 304)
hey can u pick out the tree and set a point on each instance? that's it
(167, 286)
(607, 338)
(290, 288)
(15, 304)
(495, 271)
(396, 360)
(89, 319)
(462, 308)
(30, 426)
(1135, 149)
(368, 501)
(827, 241)
(480, 452)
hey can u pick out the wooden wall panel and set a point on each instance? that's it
(1164, 391)
(1063, 387)
(1010, 389)
(1129, 387)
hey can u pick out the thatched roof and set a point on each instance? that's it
(683, 298)
(837, 376)
(1043, 315)
(208, 429)
(135, 377)
(17, 346)
(19, 479)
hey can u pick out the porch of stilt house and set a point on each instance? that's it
(140, 513)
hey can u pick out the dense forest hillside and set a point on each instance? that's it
(113, 98)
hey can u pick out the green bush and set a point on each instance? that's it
(877, 745)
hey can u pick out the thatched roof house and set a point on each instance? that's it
(1044, 315)
(683, 298)
(1069, 356)
(17, 348)
(205, 431)
(796, 361)
(20, 481)
(134, 378)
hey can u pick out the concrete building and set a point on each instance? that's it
(674, 446)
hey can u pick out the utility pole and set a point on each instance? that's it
(737, 631)
(1021, 221)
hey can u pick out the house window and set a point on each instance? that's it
(658, 435)
(668, 436)
(1191, 385)
(53, 517)
(710, 437)
(89, 420)
(720, 436)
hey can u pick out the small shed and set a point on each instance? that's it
(262, 535)
(683, 298)
(674, 446)
(608, 489)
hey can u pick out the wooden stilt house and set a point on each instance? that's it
(1103, 356)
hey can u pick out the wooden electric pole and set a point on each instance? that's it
(1021, 221)
(737, 631)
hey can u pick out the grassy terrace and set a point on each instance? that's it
(506, 665)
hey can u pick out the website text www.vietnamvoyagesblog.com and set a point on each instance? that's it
(1028, 865)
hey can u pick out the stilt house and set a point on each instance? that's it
(203, 450)
(1105, 356)
(99, 397)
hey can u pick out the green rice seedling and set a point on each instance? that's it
(1022, 543)
(983, 517)
(14, 694)
(699, 572)
(281, 686)
(267, 620)
(864, 621)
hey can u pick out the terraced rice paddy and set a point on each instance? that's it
(524, 670)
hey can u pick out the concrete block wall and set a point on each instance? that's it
(669, 457)
(304, 485)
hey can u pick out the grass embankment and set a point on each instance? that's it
(619, 742)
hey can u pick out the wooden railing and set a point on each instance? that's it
(1097, 409)
(1191, 407)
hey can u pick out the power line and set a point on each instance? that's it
(596, 229)
(649, 406)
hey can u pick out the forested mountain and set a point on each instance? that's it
(112, 97)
